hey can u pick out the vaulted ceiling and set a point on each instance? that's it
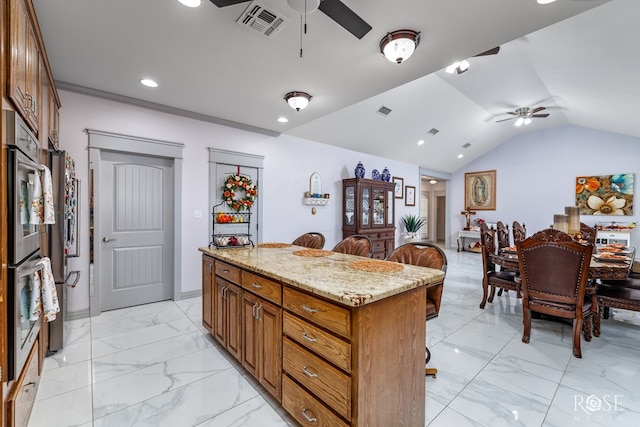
(577, 58)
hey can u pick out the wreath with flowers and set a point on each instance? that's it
(239, 183)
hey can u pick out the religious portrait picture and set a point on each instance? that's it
(480, 190)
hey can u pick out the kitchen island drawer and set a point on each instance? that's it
(328, 383)
(305, 408)
(318, 341)
(228, 272)
(322, 313)
(267, 289)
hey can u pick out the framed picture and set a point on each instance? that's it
(409, 195)
(480, 190)
(399, 191)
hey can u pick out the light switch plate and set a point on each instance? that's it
(197, 214)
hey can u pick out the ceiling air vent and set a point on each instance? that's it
(265, 21)
(433, 131)
(467, 145)
(384, 110)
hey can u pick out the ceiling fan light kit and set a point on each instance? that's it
(297, 100)
(399, 45)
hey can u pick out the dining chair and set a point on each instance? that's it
(620, 294)
(494, 277)
(588, 233)
(425, 254)
(312, 240)
(519, 231)
(554, 269)
(356, 244)
(502, 231)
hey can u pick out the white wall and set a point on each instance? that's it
(536, 175)
(289, 162)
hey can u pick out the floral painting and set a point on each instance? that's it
(605, 195)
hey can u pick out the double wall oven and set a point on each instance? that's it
(24, 240)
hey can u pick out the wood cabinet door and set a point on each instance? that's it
(269, 318)
(207, 293)
(234, 320)
(19, 45)
(220, 311)
(250, 334)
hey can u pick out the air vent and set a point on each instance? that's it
(433, 131)
(467, 145)
(265, 21)
(384, 110)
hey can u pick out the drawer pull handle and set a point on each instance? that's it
(307, 417)
(224, 270)
(308, 338)
(309, 310)
(309, 374)
(257, 286)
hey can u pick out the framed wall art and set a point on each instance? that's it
(399, 190)
(409, 195)
(480, 190)
(605, 194)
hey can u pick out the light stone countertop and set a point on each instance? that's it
(328, 276)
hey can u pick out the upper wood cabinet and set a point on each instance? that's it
(24, 74)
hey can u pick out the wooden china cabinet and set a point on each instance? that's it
(368, 209)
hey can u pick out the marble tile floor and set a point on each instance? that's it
(154, 365)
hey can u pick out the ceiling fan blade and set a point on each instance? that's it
(223, 3)
(345, 17)
(504, 120)
(535, 110)
(493, 51)
(540, 115)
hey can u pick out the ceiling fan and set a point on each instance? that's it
(524, 115)
(334, 9)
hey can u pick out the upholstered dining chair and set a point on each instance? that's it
(356, 244)
(588, 233)
(425, 254)
(519, 231)
(312, 240)
(554, 269)
(494, 277)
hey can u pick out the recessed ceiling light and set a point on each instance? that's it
(460, 156)
(190, 3)
(283, 119)
(149, 83)
(421, 142)
(545, 1)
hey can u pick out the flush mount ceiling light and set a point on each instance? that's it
(433, 181)
(297, 100)
(399, 45)
(149, 83)
(545, 1)
(190, 3)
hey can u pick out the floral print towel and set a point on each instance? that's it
(42, 208)
(44, 298)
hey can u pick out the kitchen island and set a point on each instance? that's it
(336, 343)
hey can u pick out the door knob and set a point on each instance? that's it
(107, 239)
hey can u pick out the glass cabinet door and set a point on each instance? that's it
(378, 207)
(349, 205)
(365, 206)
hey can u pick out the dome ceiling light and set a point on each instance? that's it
(297, 100)
(399, 45)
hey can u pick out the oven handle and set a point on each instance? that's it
(30, 271)
(75, 282)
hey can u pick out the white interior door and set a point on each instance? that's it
(136, 241)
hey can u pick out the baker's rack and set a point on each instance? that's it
(236, 227)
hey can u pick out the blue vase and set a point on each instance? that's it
(359, 171)
(375, 175)
(386, 175)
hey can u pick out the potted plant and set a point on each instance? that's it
(412, 224)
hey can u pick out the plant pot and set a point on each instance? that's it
(411, 239)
